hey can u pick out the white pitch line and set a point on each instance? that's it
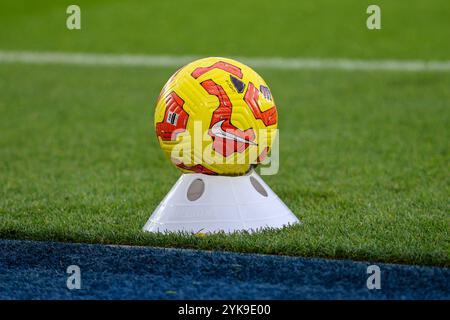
(128, 60)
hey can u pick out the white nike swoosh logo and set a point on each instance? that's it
(217, 131)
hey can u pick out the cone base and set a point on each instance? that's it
(199, 203)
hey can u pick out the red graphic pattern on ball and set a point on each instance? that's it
(227, 139)
(218, 65)
(268, 117)
(262, 155)
(198, 168)
(175, 118)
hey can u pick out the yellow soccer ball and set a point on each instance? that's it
(216, 116)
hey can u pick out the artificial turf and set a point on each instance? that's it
(364, 155)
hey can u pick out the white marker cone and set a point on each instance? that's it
(200, 203)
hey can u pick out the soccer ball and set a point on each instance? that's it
(216, 116)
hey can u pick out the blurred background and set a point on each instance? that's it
(323, 28)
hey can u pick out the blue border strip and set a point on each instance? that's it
(38, 270)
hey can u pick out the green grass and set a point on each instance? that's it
(320, 28)
(364, 166)
(364, 155)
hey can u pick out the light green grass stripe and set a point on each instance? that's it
(30, 57)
